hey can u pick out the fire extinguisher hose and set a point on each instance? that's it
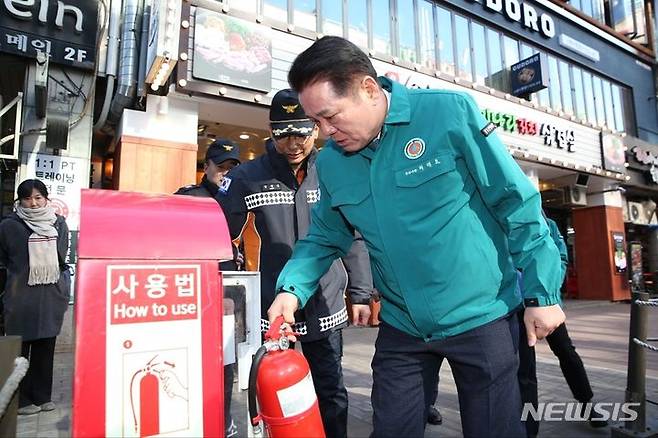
(253, 375)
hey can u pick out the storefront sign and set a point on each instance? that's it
(637, 274)
(614, 156)
(64, 30)
(529, 75)
(550, 134)
(232, 51)
(529, 131)
(64, 178)
(525, 14)
(619, 251)
(578, 47)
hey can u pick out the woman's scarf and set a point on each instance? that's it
(42, 244)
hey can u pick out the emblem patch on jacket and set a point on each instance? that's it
(488, 129)
(225, 184)
(414, 148)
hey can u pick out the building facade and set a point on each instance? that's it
(571, 87)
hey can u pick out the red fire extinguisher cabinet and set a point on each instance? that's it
(148, 316)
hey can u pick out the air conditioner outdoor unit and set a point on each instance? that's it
(575, 195)
(636, 213)
(626, 216)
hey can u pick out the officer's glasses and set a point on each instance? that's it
(294, 140)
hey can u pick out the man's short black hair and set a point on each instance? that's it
(333, 59)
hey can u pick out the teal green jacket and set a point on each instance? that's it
(446, 213)
(561, 246)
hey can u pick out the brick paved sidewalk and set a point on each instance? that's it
(599, 331)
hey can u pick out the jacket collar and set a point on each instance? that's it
(209, 185)
(280, 165)
(399, 110)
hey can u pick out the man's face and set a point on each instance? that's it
(296, 148)
(216, 172)
(351, 120)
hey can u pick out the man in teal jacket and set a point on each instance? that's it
(447, 217)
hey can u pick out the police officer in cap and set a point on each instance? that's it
(222, 156)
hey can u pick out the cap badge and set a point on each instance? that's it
(414, 148)
(227, 147)
(289, 108)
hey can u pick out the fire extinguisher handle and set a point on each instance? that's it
(274, 332)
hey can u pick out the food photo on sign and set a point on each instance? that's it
(232, 51)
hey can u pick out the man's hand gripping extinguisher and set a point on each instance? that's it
(281, 379)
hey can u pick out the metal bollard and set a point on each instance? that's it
(10, 349)
(637, 362)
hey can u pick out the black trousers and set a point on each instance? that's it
(571, 365)
(484, 363)
(324, 358)
(228, 395)
(37, 385)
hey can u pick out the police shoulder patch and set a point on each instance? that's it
(225, 184)
(488, 129)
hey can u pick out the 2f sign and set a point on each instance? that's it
(71, 54)
(25, 10)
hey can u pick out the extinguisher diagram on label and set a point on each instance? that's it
(156, 396)
(297, 398)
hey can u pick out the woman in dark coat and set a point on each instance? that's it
(33, 246)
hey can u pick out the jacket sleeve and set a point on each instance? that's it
(514, 202)
(561, 246)
(62, 241)
(359, 276)
(329, 237)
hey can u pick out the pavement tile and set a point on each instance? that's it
(599, 331)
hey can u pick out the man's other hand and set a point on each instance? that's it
(541, 321)
(360, 314)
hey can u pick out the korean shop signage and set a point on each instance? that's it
(523, 13)
(551, 135)
(529, 75)
(66, 30)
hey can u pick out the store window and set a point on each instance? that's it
(598, 101)
(609, 106)
(381, 26)
(463, 47)
(406, 31)
(593, 8)
(250, 6)
(479, 53)
(565, 87)
(332, 18)
(590, 104)
(276, 10)
(554, 84)
(357, 16)
(446, 53)
(511, 51)
(580, 110)
(305, 14)
(495, 59)
(426, 34)
(618, 108)
(628, 18)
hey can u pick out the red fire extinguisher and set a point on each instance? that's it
(281, 380)
(148, 402)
